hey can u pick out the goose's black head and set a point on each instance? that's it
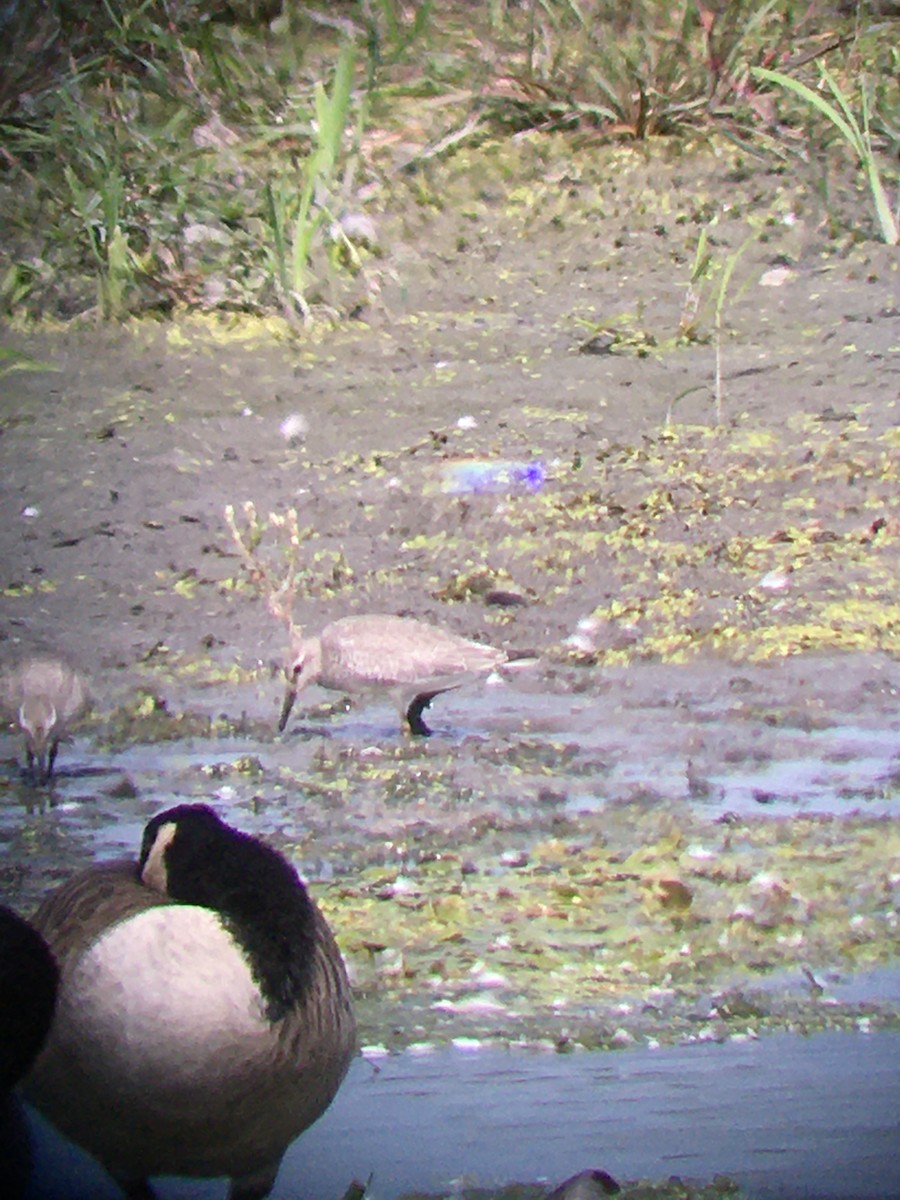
(192, 856)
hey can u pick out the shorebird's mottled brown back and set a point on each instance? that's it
(383, 651)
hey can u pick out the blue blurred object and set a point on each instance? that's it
(484, 475)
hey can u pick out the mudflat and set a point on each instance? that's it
(708, 577)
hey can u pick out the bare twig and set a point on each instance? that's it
(278, 593)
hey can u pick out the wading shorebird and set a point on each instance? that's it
(204, 1017)
(43, 696)
(410, 660)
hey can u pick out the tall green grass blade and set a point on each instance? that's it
(331, 111)
(305, 225)
(890, 231)
(859, 143)
(702, 258)
(389, 12)
(100, 212)
(842, 117)
(277, 222)
(728, 270)
(814, 100)
(85, 207)
(119, 273)
(15, 360)
(887, 218)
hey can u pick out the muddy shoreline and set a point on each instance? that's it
(714, 605)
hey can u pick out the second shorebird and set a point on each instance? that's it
(43, 695)
(410, 660)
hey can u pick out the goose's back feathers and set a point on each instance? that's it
(73, 916)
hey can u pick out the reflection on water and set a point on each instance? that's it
(789, 1118)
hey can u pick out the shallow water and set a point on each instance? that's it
(836, 771)
(684, 750)
(788, 1118)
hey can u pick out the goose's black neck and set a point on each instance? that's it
(261, 900)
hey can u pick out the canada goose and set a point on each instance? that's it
(28, 982)
(409, 659)
(204, 1016)
(43, 696)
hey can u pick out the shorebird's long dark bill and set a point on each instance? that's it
(289, 697)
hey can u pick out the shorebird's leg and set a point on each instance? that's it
(51, 757)
(417, 726)
(289, 697)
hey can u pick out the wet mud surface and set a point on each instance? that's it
(681, 824)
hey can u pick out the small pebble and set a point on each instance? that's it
(294, 429)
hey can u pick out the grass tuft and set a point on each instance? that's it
(163, 153)
(857, 136)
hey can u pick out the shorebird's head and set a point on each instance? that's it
(303, 666)
(37, 720)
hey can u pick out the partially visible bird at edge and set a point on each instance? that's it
(29, 979)
(28, 984)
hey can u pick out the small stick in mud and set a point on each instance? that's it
(279, 596)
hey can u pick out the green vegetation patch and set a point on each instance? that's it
(558, 936)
